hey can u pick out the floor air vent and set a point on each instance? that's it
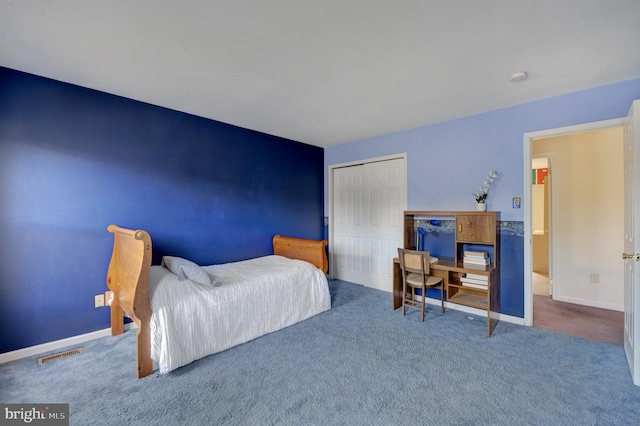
(60, 355)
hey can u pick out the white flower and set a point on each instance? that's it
(483, 191)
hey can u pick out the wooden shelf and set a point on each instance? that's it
(472, 269)
(473, 300)
(462, 287)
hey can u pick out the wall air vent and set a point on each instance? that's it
(60, 355)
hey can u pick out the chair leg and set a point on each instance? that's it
(424, 297)
(404, 297)
(442, 298)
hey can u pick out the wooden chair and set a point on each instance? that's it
(415, 269)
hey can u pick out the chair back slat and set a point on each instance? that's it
(415, 269)
(414, 261)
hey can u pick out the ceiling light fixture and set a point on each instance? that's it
(518, 76)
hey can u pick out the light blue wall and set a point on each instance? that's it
(448, 161)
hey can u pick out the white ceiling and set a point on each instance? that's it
(325, 72)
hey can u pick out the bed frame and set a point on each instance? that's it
(128, 279)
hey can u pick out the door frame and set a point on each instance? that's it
(528, 238)
(332, 167)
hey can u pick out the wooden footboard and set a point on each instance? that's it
(128, 279)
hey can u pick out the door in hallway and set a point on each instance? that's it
(631, 240)
(369, 200)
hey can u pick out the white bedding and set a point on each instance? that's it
(246, 300)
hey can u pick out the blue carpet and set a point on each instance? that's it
(358, 364)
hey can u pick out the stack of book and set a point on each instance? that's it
(475, 281)
(475, 260)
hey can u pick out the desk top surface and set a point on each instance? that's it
(449, 264)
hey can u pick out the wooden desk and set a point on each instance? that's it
(439, 269)
(451, 271)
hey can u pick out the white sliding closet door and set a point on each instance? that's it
(369, 201)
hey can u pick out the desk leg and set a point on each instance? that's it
(397, 286)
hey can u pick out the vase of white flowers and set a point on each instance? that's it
(481, 195)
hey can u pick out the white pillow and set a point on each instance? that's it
(186, 269)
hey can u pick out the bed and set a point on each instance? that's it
(185, 312)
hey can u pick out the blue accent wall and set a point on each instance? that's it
(512, 269)
(74, 160)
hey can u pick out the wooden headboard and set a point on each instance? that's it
(313, 251)
(128, 279)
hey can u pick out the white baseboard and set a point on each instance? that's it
(591, 303)
(474, 311)
(58, 344)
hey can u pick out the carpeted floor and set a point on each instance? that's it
(602, 325)
(358, 364)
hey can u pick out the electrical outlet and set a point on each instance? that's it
(595, 278)
(99, 300)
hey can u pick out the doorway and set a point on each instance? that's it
(585, 297)
(584, 235)
(541, 213)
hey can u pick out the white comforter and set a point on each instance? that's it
(246, 300)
